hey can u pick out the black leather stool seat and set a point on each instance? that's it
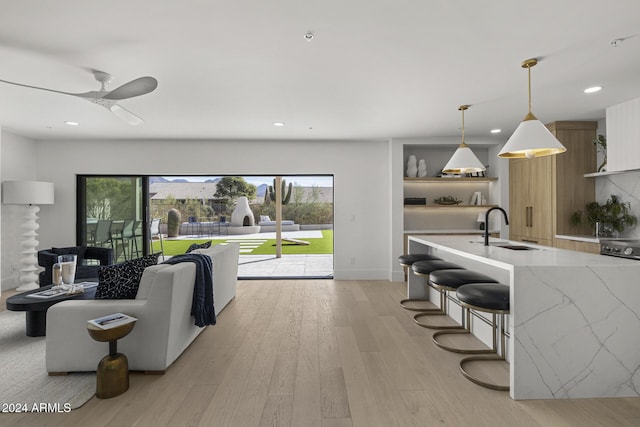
(491, 297)
(453, 279)
(407, 260)
(429, 266)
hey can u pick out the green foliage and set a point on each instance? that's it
(232, 187)
(614, 213)
(174, 219)
(111, 198)
(301, 209)
(601, 142)
(271, 192)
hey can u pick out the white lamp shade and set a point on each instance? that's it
(531, 139)
(27, 193)
(463, 161)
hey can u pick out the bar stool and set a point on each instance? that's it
(425, 268)
(449, 281)
(489, 298)
(407, 261)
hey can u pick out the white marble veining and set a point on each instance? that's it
(575, 317)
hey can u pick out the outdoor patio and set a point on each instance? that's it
(268, 266)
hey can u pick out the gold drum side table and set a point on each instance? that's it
(112, 375)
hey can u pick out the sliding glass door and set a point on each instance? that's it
(111, 213)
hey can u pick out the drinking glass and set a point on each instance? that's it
(68, 268)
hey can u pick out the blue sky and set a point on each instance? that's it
(304, 181)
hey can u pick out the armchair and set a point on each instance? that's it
(48, 257)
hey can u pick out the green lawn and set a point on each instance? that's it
(322, 245)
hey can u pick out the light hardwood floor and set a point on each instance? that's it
(322, 353)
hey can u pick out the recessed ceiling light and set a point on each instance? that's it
(593, 89)
(496, 130)
(71, 123)
(308, 36)
(278, 124)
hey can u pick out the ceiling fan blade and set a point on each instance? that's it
(44, 88)
(126, 115)
(137, 87)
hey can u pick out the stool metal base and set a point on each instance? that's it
(473, 379)
(465, 330)
(112, 376)
(442, 311)
(408, 300)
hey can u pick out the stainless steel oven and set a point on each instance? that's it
(621, 248)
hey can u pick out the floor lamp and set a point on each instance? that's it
(31, 194)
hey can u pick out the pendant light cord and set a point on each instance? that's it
(462, 108)
(528, 64)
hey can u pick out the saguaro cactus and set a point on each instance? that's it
(173, 222)
(286, 192)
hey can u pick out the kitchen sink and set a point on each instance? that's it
(516, 247)
(505, 244)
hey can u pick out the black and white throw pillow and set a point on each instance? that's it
(205, 245)
(121, 281)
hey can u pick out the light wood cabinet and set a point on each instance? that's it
(545, 191)
(576, 245)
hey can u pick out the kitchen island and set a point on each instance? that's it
(574, 323)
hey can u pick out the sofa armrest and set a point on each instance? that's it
(69, 347)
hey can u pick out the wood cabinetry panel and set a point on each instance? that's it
(545, 191)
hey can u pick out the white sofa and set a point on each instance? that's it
(164, 329)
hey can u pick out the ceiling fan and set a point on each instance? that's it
(109, 98)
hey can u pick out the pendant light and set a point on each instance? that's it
(463, 160)
(531, 138)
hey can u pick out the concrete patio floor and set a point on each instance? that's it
(289, 266)
(268, 266)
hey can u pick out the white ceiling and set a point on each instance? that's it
(375, 69)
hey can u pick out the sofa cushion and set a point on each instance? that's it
(195, 246)
(73, 250)
(121, 281)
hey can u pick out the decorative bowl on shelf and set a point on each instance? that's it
(447, 200)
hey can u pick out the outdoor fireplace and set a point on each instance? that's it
(242, 215)
(242, 219)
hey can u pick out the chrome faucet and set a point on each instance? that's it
(486, 223)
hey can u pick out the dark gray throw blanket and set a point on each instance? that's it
(202, 305)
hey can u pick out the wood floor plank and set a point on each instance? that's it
(333, 391)
(362, 402)
(191, 408)
(277, 412)
(307, 387)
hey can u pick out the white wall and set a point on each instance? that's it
(360, 169)
(18, 162)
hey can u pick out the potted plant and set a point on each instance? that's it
(607, 219)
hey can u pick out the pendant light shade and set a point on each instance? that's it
(463, 160)
(531, 138)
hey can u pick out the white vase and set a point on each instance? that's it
(412, 167)
(422, 168)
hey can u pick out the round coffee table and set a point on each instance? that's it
(112, 375)
(36, 308)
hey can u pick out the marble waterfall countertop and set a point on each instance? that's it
(574, 317)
